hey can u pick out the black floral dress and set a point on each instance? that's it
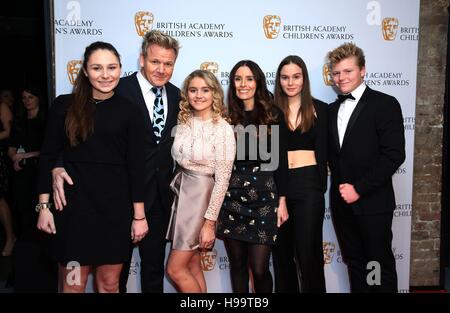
(249, 210)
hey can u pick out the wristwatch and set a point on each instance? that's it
(41, 206)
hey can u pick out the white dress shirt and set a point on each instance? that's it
(346, 109)
(149, 95)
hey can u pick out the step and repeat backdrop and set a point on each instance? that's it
(216, 34)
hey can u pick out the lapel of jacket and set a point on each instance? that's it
(139, 99)
(334, 129)
(359, 107)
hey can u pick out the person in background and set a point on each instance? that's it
(7, 97)
(300, 237)
(24, 148)
(5, 212)
(25, 143)
(255, 203)
(366, 147)
(100, 136)
(204, 149)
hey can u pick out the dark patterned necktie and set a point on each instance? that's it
(342, 98)
(158, 113)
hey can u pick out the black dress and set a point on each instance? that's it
(27, 134)
(249, 210)
(108, 174)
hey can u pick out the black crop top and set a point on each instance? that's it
(302, 141)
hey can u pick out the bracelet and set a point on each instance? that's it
(139, 219)
(44, 205)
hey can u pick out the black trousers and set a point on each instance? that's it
(300, 238)
(152, 250)
(362, 239)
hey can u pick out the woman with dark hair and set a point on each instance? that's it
(24, 148)
(254, 206)
(301, 236)
(100, 136)
(27, 135)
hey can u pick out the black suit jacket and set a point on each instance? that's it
(321, 143)
(372, 149)
(158, 159)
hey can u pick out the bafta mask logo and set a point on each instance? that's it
(390, 26)
(212, 67)
(143, 21)
(271, 25)
(328, 251)
(73, 68)
(326, 74)
(208, 259)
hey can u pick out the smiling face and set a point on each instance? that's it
(158, 65)
(103, 71)
(347, 75)
(200, 97)
(245, 84)
(291, 80)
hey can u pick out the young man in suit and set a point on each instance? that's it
(366, 147)
(158, 100)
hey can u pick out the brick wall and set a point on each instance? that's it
(426, 214)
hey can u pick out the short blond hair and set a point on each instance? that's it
(186, 111)
(345, 51)
(161, 39)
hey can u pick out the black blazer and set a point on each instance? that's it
(158, 159)
(321, 145)
(372, 149)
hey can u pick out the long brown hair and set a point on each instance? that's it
(263, 113)
(79, 121)
(306, 110)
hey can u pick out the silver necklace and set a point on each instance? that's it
(98, 101)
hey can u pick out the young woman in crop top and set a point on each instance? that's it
(301, 235)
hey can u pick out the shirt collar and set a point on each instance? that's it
(145, 85)
(358, 92)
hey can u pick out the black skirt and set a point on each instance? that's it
(249, 210)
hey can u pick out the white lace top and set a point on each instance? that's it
(207, 147)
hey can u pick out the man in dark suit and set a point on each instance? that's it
(158, 100)
(366, 146)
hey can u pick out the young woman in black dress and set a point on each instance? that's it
(100, 136)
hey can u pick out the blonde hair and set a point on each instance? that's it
(345, 51)
(161, 39)
(218, 107)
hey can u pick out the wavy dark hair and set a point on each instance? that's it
(263, 112)
(80, 115)
(306, 110)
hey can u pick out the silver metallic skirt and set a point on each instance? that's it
(192, 191)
